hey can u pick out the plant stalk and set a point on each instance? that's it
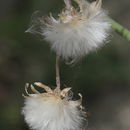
(58, 84)
(124, 32)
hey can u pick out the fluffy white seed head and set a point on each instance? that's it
(53, 110)
(75, 32)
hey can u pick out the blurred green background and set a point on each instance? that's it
(103, 77)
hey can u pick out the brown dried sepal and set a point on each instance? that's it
(57, 92)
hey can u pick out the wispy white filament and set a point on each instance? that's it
(74, 33)
(53, 110)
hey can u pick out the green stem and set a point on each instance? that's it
(120, 29)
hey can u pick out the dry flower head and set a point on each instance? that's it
(53, 109)
(75, 32)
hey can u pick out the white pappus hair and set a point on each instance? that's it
(75, 32)
(53, 110)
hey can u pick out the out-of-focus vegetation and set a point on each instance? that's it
(102, 77)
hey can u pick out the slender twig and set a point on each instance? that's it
(57, 72)
(124, 32)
